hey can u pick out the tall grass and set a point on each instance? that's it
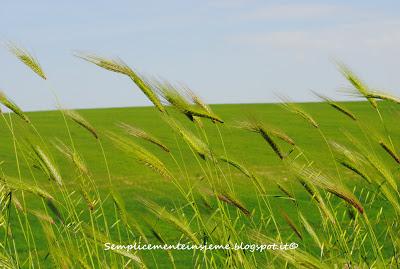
(336, 225)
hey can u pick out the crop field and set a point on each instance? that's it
(322, 175)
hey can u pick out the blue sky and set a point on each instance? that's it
(227, 51)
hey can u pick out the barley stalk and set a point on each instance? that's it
(337, 106)
(173, 97)
(16, 184)
(47, 165)
(162, 213)
(136, 132)
(359, 85)
(266, 133)
(292, 107)
(224, 197)
(193, 141)
(310, 230)
(383, 96)
(76, 117)
(26, 58)
(390, 151)
(142, 155)
(317, 178)
(72, 156)
(291, 224)
(118, 66)
(13, 107)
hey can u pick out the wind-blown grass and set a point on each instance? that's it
(333, 191)
(26, 58)
(136, 132)
(73, 115)
(13, 107)
(118, 66)
(173, 97)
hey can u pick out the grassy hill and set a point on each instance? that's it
(241, 145)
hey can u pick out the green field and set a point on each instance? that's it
(241, 145)
(134, 181)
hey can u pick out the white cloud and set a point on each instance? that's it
(333, 28)
(293, 12)
(356, 36)
(228, 3)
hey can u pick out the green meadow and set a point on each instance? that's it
(133, 180)
(244, 146)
